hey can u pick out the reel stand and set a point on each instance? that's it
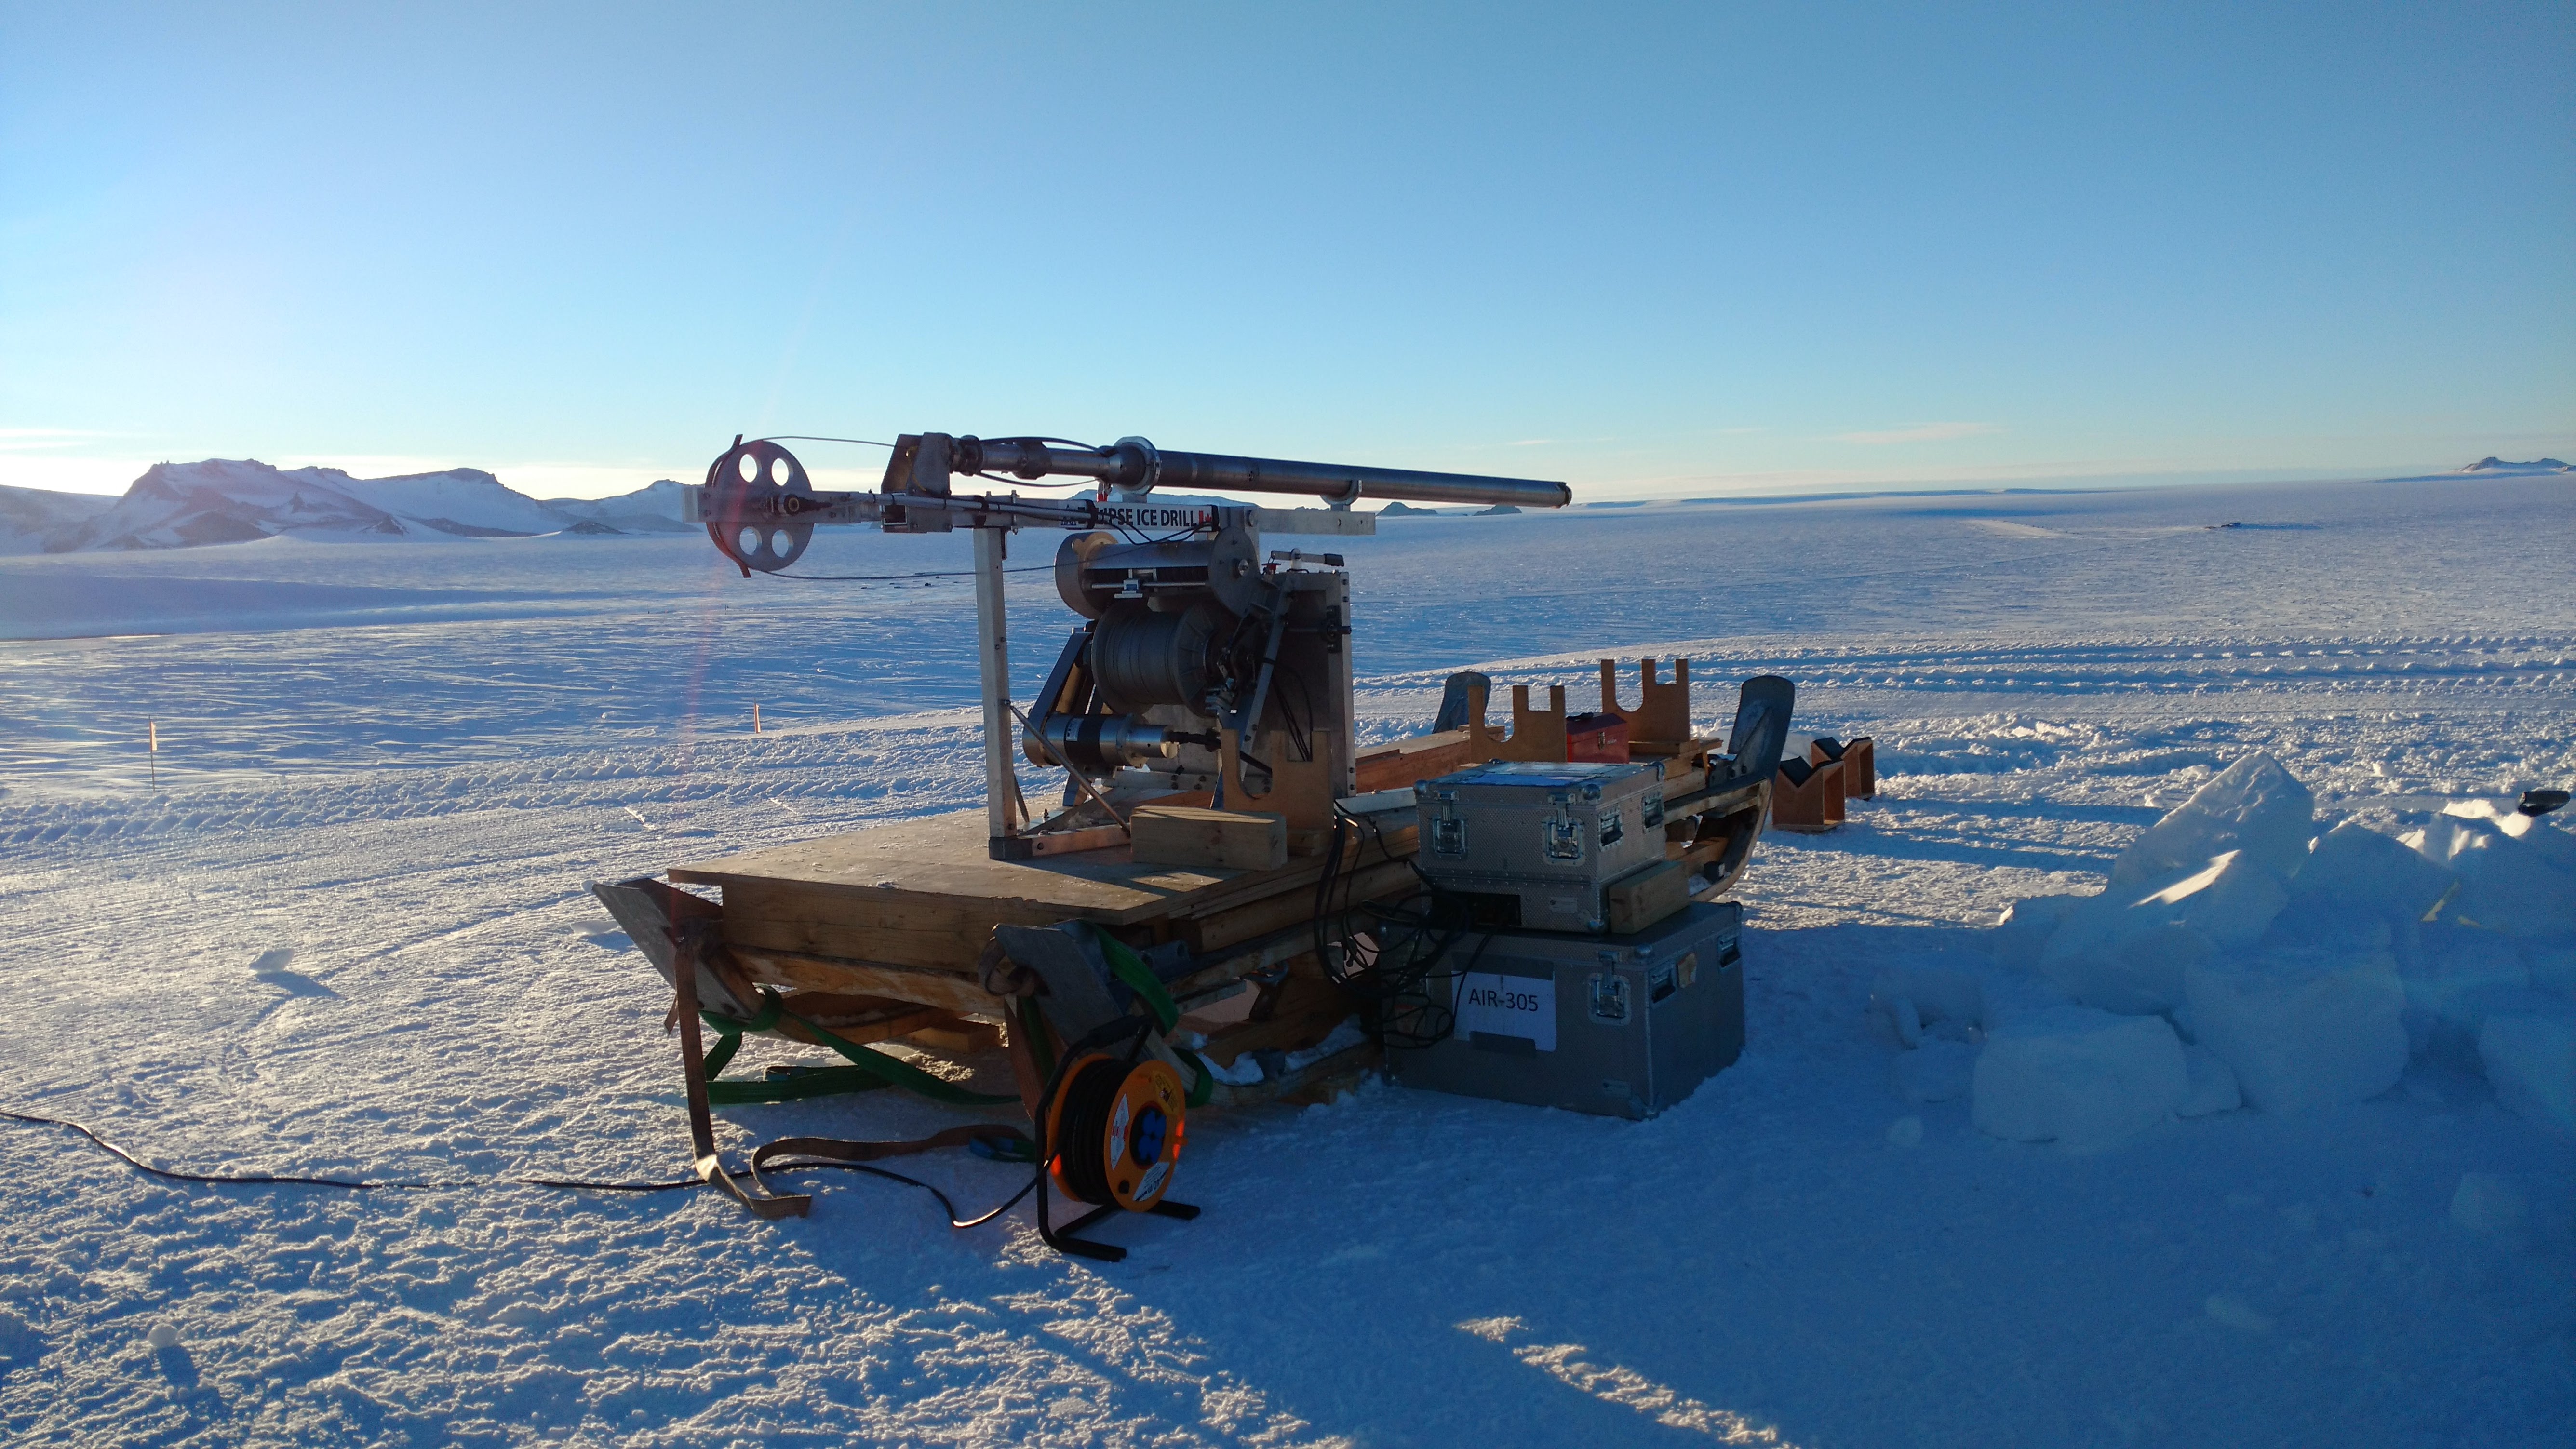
(1110, 1135)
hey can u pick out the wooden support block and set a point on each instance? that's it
(1807, 798)
(1663, 708)
(1190, 835)
(1859, 759)
(1860, 769)
(1537, 735)
(1642, 897)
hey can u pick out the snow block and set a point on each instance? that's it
(2231, 900)
(1937, 1071)
(2026, 926)
(2213, 1085)
(2531, 1062)
(2303, 1028)
(2131, 957)
(2355, 868)
(2517, 874)
(2078, 1076)
(2253, 805)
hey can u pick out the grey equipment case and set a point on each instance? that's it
(1533, 845)
(1623, 1026)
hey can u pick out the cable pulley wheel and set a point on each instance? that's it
(757, 493)
(1117, 1131)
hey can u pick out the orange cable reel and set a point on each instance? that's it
(1117, 1131)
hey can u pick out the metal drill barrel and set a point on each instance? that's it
(1135, 465)
(1345, 482)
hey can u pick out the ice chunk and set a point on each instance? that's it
(2213, 1085)
(2253, 805)
(161, 1336)
(2301, 1027)
(2530, 1059)
(2077, 1075)
(2026, 926)
(2231, 900)
(2517, 874)
(2130, 955)
(2356, 868)
(2489, 1205)
(1937, 1071)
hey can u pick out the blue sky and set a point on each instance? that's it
(1655, 251)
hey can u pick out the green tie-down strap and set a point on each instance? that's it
(867, 1071)
(1129, 967)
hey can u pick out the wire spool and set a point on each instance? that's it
(1116, 1130)
(756, 492)
(1143, 657)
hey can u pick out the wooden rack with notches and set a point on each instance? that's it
(1213, 798)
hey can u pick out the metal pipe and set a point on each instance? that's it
(1346, 482)
(1134, 464)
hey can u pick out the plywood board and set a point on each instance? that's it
(944, 858)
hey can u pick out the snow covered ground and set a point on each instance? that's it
(346, 932)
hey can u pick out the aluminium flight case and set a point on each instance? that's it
(1623, 1026)
(1532, 845)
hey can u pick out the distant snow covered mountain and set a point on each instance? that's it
(2493, 464)
(29, 516)
(219, 500)
(653, 508)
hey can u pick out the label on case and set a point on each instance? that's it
(1522, 1006)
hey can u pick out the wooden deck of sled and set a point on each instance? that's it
(874, 927)
(895, 916)
(922, 894)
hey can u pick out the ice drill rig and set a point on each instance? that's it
(1229, 883)
(1203, 666)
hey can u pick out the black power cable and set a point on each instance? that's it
(565, 1184)
(1389, 953)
